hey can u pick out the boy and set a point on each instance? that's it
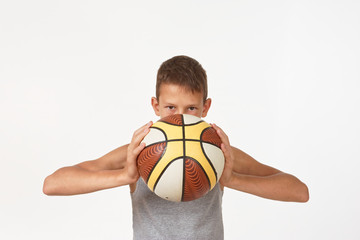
(181, 87)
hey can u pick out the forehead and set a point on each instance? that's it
(172, 93)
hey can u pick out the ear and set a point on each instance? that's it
(155, 105)
(206, 108)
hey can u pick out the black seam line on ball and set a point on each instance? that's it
(183, 124)
(180, 140)
(206, 156)
(162, 154)
(192, 124)
(184, 153)
(157, 161)
(173, 124)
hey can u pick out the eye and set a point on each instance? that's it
(192, 108)
(170, 107)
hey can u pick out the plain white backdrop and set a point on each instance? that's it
(76, 78)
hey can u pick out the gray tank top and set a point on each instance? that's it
(156, 218)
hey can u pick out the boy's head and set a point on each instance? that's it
(181, 87)
(182, 71)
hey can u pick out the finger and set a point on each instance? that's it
(134, 153)
(224, 138)
(141, 133)
(143, 128)
(218, 129)
(138, 149)
(136, 143)
(225, 151)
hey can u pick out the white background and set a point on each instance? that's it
(76, 78)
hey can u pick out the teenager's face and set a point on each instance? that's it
(175, 99)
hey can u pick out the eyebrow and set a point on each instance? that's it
(190, 105)
(168, 103)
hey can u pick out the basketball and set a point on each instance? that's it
(182, 160)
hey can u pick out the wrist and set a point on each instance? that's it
(131, 175)
(227, 178)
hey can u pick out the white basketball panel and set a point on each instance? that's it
(190, 119)
(216, 157)
(154, 136)
(170, 183)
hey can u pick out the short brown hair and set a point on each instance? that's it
(183, 71)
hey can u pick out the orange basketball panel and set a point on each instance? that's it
(209, 135)
(148, 158)
(173, 119)
(196, 184)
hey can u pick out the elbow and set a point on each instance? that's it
(303, 194)
(306, 197)
(48, 189)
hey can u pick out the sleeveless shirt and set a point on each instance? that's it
(156, 218)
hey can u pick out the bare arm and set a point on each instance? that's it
(244, 173)
(253, 177)
(105, 172)
(117, 168)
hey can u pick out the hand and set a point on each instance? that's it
(229, 156)
(134, 150)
